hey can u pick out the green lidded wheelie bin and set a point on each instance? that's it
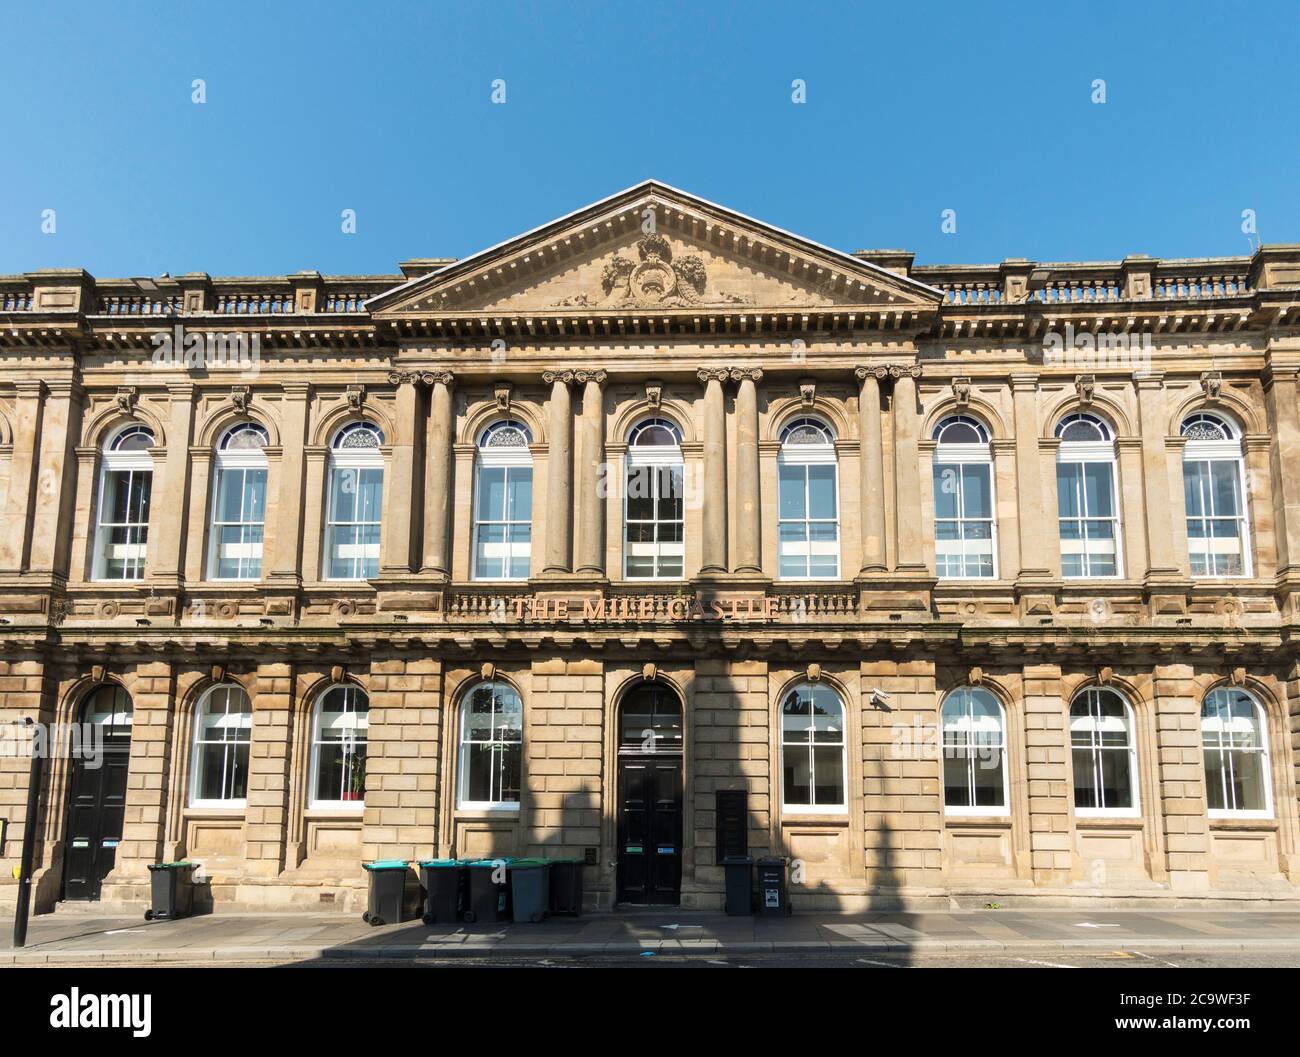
(171, 887)
(387, 902)
(530, 889)
(488, 896)
(566, 886)
(445, 884)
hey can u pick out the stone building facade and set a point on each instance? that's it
(975, 581)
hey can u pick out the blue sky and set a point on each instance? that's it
(385, 108)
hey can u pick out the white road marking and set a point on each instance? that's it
(1049, 965)
(1095, 925)
(872, 961)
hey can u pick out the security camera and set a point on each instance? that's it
(877, 694)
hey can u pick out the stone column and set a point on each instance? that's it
(907, 472)
(1282, 400)
(1036, 527)
(398, 546)
(16, 537)
(437, 491)
(591, 455)
(748, 525)
(559, 474)
(872, 462)
(713, 551)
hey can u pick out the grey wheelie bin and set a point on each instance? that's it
(530, 889)
(739, 872)
(566, 886)
(488, 895)
(445, 882)
(171, 887)
(773, 892)
(387, 902)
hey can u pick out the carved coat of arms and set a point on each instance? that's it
(657, 281)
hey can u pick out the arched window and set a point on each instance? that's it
(1087, 501)
(812, 749)
(491, 747)
(356, 501)
(1104, 754)
(654, 504)
(1234, 734)
(965, 530)
(238, 504)
(503, 503)
(808, 527)
(125, 484)
(338, 749)
(1214, 490)
(223, 729)
(974, 753)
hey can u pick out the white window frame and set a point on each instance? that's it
(1210, 452)
(654, 457)
(135, 464)
(237, 460)
(1089, 695)
(514, 460)
(805, 455)
(958, 456)
(975, 810)
(1074, 452)
(1261, 720)
(357, 459)
(313, 773)
(198, 741)
(812, 745)
(462, 785)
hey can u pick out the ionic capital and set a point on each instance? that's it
(599, 377)
(905, 370)
(551, 377)
(746, 374)
(712, 374)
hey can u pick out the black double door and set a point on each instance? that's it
(650, 830)
(97, 794)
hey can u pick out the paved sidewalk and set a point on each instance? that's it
(81, 939)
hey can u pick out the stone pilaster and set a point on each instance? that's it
(270, 774)
(171, 492)
(1037, 530)
(1180, 773)
(872, 462)
(15, 540)
(284, 563)
(1051, 837)
(398, 555)
(402, 759)
(907, 472)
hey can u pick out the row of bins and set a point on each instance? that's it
(507, 889)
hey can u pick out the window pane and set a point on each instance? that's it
(797, 779)
(976, 497)
(1097, 489)
(1195, 475)
(947, 489)
(956, 778)
(1067, 489)
(1224, 478)
(491, 493)
(520, 494)
(1085, 790)
(1214, 781)
(792, 490)
(821, 491)
(828, 768)
(988, 779)
(343, 490)
(1246, 786)
(1116, 781)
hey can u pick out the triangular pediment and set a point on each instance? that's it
(654, 248)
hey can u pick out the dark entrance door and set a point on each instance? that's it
(97, 792)
(650, 798)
